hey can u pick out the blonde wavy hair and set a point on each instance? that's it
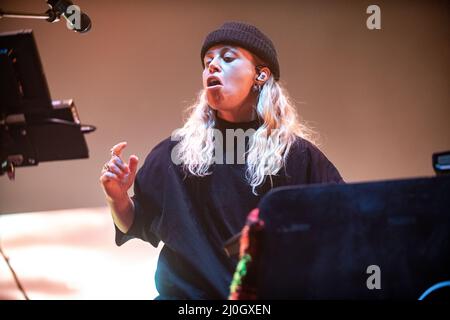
(268, 148)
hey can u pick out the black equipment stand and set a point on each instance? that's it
(33, 128)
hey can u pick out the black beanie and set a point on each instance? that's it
(248, 37)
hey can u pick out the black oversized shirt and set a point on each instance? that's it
(195, 216)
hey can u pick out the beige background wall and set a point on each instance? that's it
(379, 99)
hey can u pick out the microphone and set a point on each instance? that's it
(77, 21)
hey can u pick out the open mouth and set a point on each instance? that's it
(213, 82)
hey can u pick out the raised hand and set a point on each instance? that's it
(118, 176)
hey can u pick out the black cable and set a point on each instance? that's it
(16, 279)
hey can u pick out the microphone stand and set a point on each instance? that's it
(50, 15)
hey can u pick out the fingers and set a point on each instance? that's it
(117, 149)
(116, 153)
(116, 168)
(133, 162)
(108, 176)
(112, 167)
(119, 163)
(116, 164)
